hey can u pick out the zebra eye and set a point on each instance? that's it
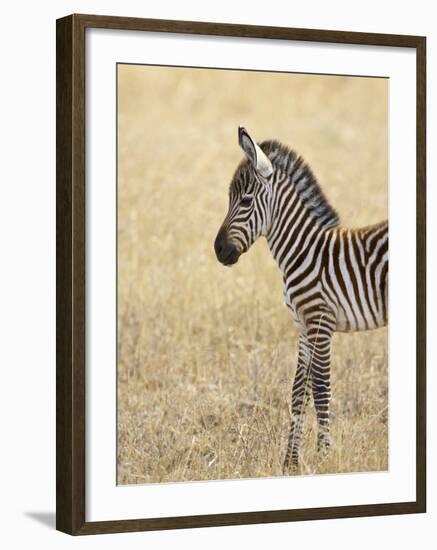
(246, 201)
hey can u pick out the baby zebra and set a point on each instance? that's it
(335, 279)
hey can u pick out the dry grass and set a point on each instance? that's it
(207, 354)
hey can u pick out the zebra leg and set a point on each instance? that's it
(319, 340)
(300, 394)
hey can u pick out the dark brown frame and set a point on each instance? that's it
(71, 283)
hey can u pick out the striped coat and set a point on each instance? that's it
(335, 279)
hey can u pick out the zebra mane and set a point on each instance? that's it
(290, 163)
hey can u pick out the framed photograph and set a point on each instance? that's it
(229, 200)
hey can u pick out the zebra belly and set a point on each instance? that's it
(345, 324)
(350, 320)
(349, 315)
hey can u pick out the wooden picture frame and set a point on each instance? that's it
(71, 275)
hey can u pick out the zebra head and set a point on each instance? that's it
(248, 213)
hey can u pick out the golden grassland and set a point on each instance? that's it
(206, 353)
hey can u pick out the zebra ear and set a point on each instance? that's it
(259, 160)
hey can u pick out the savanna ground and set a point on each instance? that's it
(207, 354)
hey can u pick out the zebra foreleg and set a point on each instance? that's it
(299, 399)
(319, 340)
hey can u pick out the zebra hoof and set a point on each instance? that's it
(323, 449)
(290, 465)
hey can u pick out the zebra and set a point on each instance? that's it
(334, 278)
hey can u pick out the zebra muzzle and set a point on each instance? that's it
(226, 251)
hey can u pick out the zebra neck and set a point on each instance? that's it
(293, 231)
